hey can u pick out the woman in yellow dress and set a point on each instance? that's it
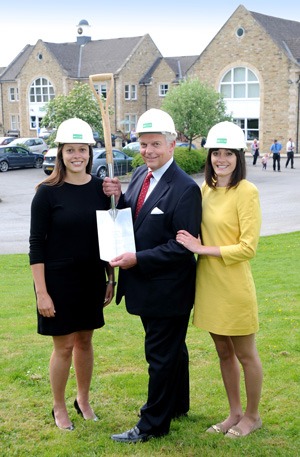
(225, 302)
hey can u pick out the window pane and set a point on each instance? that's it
(226, 90)
(253, 90)
(227, 77)
(252, 123)
(239, 91)
(239, 74)
(251, 76)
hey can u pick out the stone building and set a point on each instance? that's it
(254, 61)
(142, 78)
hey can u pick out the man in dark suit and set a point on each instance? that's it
(158, 281)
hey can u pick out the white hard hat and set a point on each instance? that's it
(155, 121)
(74, 131)
(226, 135)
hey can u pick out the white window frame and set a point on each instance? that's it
(101, 89)
(15, 122)
(233, 84)
(250, 132)
(130, 92)
(130, 121)
(13, 94)
(41, 91)
(163, 89)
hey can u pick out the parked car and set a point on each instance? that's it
(44, 133)
(184, 144)
(100, 141)
(135, 146)
(49, 160)
(122, 163)
(6, 139)
(33, 144)
(18, 157)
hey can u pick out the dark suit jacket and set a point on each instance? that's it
(162, 284)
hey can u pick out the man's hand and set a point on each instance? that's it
(112, 186)
(124, 261)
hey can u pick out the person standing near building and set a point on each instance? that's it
(276, 149)
(158, 281)
(72, 284)
(290, 146)
(225, 302)
(255, 150)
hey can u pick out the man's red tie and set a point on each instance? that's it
(143, 194)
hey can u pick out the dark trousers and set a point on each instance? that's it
(168, 387)
(290, 157)
(255, 156)
(276, 158)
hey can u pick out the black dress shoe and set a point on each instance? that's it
(70, 428)
(78, 409)
(179, 415)
(134, 435)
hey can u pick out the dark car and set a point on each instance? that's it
(122, 163)
(184, 144)
(49, 160)
(18, 157)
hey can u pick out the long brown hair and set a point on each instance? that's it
(238, 174)
(58, 175)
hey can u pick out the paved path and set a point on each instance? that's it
(279, 195)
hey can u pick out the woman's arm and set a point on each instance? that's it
(45, 304)
(195, 245)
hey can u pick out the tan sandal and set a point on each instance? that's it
(236, 432)
(217, 428)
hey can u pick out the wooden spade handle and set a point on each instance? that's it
(104, 108)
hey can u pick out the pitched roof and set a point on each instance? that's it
(81, 60)
(180, 65)
(100, 56)
(284, 32)
(11, 72)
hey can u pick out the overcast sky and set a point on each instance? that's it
(177, 27)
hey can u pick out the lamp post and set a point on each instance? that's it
(298, 109)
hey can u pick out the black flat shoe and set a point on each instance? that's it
(69, 428)
(77, 407)
(134, 435)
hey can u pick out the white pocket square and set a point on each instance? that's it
(157, 211)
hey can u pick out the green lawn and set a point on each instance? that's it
(120, 375)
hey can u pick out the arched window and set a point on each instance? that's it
(41, 91)
(241, 91)
(240, 82)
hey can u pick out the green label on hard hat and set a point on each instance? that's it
(221, 140)
(147, 125)
(77, 136)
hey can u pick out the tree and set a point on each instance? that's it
(195, 107)
(80, 102)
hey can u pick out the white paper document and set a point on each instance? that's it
(115, 234)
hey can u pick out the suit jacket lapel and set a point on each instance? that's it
(160, 189)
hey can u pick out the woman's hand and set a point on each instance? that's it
(189, 241)
(109, 294)
(45, 305)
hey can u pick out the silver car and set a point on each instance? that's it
(122, 163)
(32, 144)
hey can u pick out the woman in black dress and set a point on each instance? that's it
(72, 284)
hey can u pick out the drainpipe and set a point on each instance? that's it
(298, 109)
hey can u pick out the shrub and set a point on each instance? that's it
(189, 161)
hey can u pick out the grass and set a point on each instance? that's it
(120, 374)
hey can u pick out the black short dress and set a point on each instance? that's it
(64, 237)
